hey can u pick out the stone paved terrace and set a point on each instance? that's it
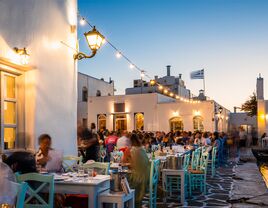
(237, 184)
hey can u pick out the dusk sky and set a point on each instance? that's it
(228, 38)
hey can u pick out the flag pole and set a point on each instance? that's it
(204, 85)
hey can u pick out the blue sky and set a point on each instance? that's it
(228, 38)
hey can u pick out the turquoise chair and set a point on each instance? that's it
(212, 161)
(173, 182)
(100, 167)
(21, 190)
(195, 159)
(70, 161)
(197, 177)
(154, 177)
(41, 181)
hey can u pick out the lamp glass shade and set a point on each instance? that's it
(94, 39)
(24, 59)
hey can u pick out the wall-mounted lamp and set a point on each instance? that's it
(24, 56)
(220, 109)
(94, 41)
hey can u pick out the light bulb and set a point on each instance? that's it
(118, 55)
(82, 21)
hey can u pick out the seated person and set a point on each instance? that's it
(46, 157)
(7, 194)
(140, 168)
(22, 162)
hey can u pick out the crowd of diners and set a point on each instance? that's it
(135, 145)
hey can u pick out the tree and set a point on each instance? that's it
(250, 106)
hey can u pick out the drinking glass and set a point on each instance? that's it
(90, 173)
(103, 154)
(115, 156)
(81, 171)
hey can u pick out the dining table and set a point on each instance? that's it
(69, 183)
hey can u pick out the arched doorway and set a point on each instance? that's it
(176, 124)
(198, 123)
(139, 121)
(101, 121)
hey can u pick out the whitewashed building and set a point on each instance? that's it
(39, 96)
(154, 112)
(174, 83)
(90, 86)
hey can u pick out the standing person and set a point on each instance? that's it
(93, 128)
(89, 143)
(217, 143)
(242, 137)
(110, 143)
(140, 168)
(123, 141)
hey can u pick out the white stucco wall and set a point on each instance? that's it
(157, 111)
(51, 87)
(92, 84)
(186, 111)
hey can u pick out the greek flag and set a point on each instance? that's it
(199, 74)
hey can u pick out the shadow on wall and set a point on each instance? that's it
(23, 140)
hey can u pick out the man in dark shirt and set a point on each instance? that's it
(89, 143)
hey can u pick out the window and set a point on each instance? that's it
(84, 94)
(119, 107)
(120, 122)
(98, 93)
(198, 123)
(176, 124)
(8, 110)
(139, 121)
(102, 122)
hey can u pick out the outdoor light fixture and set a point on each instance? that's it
(165, 91)
(160, 87)
(24, 56)
(152, 82)
(171, 94)
(94, 40)
(220, 109)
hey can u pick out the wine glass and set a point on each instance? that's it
(115, 156)
(103, 154)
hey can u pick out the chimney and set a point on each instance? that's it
(180, 76)
(168, 70)
(260, 92)
(235, 109)
(155, 77)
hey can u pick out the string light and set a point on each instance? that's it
(142, 74)
(82, 21)
(118, 54)
(153, 82)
